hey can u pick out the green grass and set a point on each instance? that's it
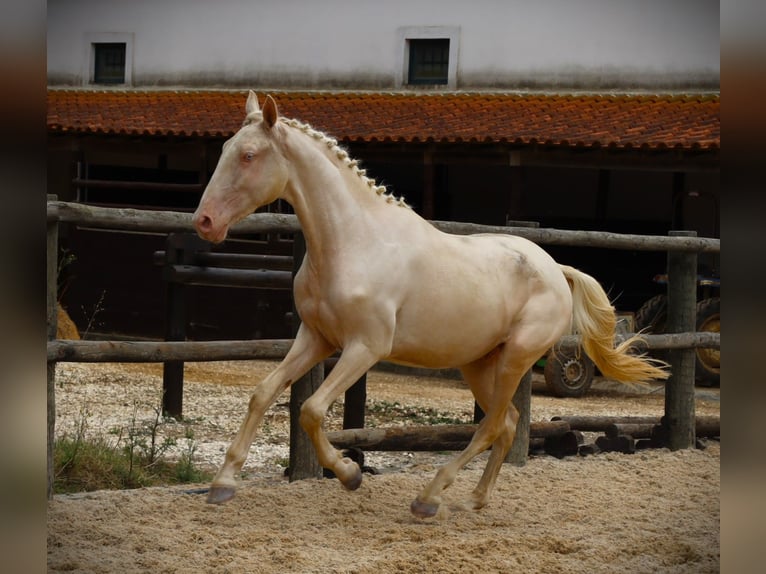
(132, 457)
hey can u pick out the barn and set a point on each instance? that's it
(631, 164)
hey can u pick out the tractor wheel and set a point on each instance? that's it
(653, 315)
(708, 362)
(568, 375)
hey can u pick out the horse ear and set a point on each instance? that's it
(270, 113)
(252, 103)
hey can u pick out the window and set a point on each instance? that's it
(107, 58)
(428, 56)
(109, 63)
(429, 61)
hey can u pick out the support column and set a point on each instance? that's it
(180, 248)
(522, 400)
(682, 309)
(52, 309)
(303, 458)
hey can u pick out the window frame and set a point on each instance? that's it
(407, 34)
(89, 56)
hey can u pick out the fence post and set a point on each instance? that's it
(522, 400)
(355, 401)
(179, 248)
(682, 308)
(52, 314)
(303, 458)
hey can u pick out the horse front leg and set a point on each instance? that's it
(307, 350)
(354, 362)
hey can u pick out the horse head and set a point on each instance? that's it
(251, 172)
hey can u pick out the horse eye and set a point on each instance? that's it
(249, 156)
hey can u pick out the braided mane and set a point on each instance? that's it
(337, 151)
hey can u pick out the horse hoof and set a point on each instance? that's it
(424, 509)
(220, 494)
(355, 481)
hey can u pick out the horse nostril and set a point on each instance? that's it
(204, 223)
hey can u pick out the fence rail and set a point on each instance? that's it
(173, 221)
(274, 349)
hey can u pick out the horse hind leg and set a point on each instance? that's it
(483, 491)
(493, 380)
(481, 382)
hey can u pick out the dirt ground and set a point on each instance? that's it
(652, 511)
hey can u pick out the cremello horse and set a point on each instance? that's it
(379, 282)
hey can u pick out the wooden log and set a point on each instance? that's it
(702, 339)
(567, 444)
(425, 438)
(52, 317)
(536, 445)
(245, 261)
(147, 220)
(620, 443)
(158, 352)
(629, 429)
(304, 462)
(222, 277)
(303, 458)
(681, 318)
(233, 260)
(603, 239)
(522, 401)
(705, 425)
(167, 221)
(601, 423)
(589, 449)
(708, 426)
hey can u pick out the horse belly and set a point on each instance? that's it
(446, 335)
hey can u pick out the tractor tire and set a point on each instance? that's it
(707, 370)
(652, 318)
(568, 375)
(653, 315)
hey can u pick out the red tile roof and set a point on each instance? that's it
(644, 121)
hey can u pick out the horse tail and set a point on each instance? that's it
(594, 319)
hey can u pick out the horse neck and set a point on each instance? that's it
(328, 197)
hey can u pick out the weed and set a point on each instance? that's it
(134, 458)
(95, 311)
(385, 411)
(185, 469)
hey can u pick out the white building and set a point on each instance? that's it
(366, 44)
(578, 114)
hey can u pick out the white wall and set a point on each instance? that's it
(357, 44)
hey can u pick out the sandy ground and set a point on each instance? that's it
(653, 511)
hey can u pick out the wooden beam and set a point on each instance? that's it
(158, 352)
(167, 221)
(426, 438)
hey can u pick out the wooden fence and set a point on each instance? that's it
(682, 249)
